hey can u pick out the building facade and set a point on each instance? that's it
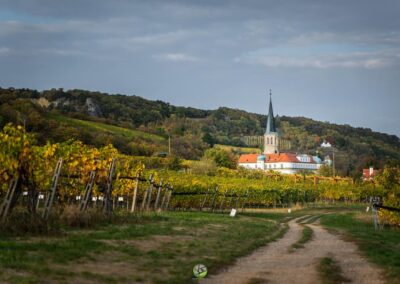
(273, 159)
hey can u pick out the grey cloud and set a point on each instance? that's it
(177, 57)
(348, 60)
(219, 52)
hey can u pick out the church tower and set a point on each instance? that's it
(271, 136)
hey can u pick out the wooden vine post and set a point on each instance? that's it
(221, 207)
(169, 195)
(146, 192)
(150, 194)
(158, 194)
(205, 200)
(108, 202)
(135, 191)
(88, 192)
(164, 197)
(214, 199)
(53, 189)
(9, 199)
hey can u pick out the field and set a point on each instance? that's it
(107, 128)
(160, 248)
(105, 218)
(163, 247)
(242, 150)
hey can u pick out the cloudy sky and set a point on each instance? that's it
(336, 61)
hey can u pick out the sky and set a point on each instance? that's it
(335, 61)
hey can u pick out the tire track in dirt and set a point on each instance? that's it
(274, 264)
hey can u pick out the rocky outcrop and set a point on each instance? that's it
(93, 109)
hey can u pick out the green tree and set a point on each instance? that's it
(325, 171)
(207, 138)
(389, 178)
(174, 163)
(221, 157)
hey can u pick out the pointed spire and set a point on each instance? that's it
(270, 118)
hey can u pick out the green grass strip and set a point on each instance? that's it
(102, 127)
(330, 272)
(305, 237)
(304, 218)
(312, 219)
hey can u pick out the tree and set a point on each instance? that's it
(389, 178)
(207, 138)
(325, 171)
(174, 163)
(221, 157)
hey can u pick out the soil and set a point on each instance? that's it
(275, 264)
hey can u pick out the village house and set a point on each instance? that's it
(273, 159)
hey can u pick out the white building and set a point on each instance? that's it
(272, 159)
(286, 163)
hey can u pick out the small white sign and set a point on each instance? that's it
(94, 198)
(233, 213)
(289, 211)
(101, 198)
(41, 196)
(120, 198)
(25, 193)
(78, 197)
(367, 210)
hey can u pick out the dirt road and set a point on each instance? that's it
(275, 263)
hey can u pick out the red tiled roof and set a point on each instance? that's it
(367, 175)
(273, 158)
(281, 158)
(248, 158)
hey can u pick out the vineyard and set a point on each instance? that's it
(54, 175)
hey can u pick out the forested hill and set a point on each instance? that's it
(140, 127)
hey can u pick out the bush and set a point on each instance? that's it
(221, 157)
(390, 217)
(72, 217)
(22, 223)
(204, 167)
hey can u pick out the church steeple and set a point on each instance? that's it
(270, 118)
(271, 136)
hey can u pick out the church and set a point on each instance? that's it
(273, 159)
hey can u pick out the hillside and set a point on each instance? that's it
(139, 126)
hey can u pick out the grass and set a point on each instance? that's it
(312, 219)
(164, 247)
(243, 150)
(380, 246)
(112, 129)
(302, 219)
(329, 272)
(161, 248)
(306, 236)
